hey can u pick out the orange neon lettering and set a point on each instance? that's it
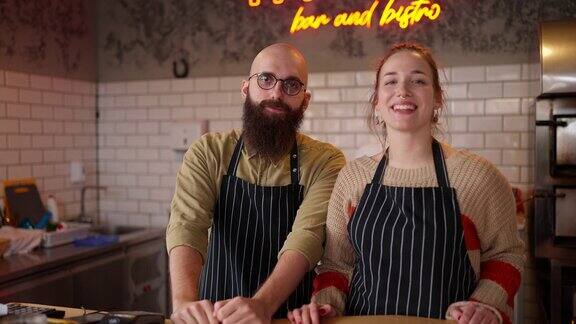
(409, 15)
(339, 20)
(418, 15)
(388, 14)
(301, 22)
(256, 3)
(368, 17)
(356, 18)
(412, 13)
(405, 16)
(433, 12)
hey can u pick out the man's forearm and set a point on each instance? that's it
(289, 271)
(185, 268)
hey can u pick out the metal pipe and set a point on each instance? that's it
(82, 216)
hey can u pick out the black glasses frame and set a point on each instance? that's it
(276, 79)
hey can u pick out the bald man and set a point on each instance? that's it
(264, 192)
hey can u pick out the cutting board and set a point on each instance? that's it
(23, 201)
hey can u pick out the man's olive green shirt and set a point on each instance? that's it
(206, 162)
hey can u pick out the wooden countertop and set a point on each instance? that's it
(376, 320)
(72, 312)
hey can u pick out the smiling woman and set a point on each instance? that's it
(421, 229)
(421, 77)
(406, 99)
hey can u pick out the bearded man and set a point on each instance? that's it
(264, 193)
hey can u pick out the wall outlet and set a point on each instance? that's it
(77, 172)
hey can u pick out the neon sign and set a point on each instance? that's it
(404, 16)
(256, 3)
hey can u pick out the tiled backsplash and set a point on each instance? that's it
(46, 123)
(489, 111)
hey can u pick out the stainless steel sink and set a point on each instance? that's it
(116, 229)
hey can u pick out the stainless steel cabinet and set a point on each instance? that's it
(131, 277)
(101, 283)
(147, 272)
(52, 288)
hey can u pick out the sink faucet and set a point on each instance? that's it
(82, 216)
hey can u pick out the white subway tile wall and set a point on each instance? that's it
(45, 123)
(484, 114)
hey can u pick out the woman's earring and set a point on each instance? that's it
(378, 117)
(435, 115)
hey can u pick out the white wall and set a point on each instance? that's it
(45, 123)
(489, 111)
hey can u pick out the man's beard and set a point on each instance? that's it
(271, 134)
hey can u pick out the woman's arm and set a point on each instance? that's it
(336, 265)
(489, 221)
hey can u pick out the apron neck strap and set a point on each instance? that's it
(233, 165)
(378, 175)
(439, 166)
(294, 169)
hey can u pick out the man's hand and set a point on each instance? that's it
(473, 313)
(242, 310)
(196, 312)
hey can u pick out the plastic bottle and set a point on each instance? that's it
(52, 207)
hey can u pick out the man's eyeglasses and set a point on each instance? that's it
(267, 81)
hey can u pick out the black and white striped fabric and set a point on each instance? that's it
(250, 226)
(411, 258)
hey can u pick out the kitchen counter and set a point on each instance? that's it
(129, 274)
(72, 312)
(19, 266)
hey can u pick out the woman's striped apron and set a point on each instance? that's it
(411, 258)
